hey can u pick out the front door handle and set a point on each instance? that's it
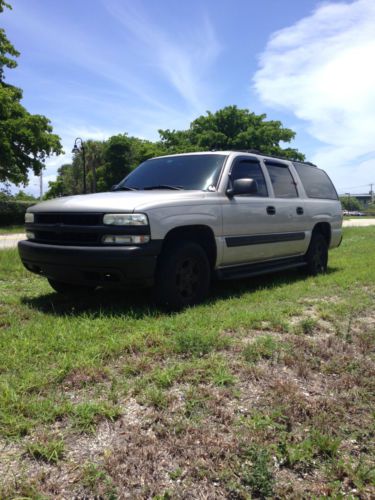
(299, 210)
(271, 210)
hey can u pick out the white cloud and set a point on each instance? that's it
(183, 59)
(321, 69)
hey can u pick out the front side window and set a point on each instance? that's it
(201, 171)
(283, 183)
(250, 169)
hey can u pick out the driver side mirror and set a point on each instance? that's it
(242, 186)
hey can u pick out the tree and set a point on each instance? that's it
(350, 203)
(110, 161)
(22, 196)
(232, 128)
(117, 156)
(371, 209)
(94, 159)
(26, 140)
(68, 181)
(121, 155)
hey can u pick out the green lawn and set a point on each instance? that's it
(266, 390)
(12, 229)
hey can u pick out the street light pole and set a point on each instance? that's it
(80, 148)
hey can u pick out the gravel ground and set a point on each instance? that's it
(10, 240)
(359, 222)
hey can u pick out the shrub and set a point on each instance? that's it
(13, 212)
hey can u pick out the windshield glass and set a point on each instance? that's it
(176, 172)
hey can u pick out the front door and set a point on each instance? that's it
(245, 217)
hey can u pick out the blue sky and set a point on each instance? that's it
(101, 67)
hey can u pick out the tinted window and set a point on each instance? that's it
(283, 183)
(250, 170)
(316, 182)
(184, 171)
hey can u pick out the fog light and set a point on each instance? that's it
(128, 239)
(30, 235)
(29, 218)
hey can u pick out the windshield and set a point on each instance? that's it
(176, 172)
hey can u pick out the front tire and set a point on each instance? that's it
(317, 255)
(69, 288)
(183, 275)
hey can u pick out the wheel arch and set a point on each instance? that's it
(200, 233)
(325, 229)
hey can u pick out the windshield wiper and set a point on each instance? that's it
(163, 186)
(125, 188)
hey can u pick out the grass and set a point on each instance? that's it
(257, 473)
(12, 230)
(263, 347)
(50, 451)
(267, 385)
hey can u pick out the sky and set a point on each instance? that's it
(97, 68)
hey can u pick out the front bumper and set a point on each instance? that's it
(133, 265)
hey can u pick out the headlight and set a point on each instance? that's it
(125, 219)
(125, 239)
(29, 217)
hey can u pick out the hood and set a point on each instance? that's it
(122, 201)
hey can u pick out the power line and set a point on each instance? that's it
(356, 187)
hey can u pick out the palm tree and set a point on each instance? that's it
(94, 159)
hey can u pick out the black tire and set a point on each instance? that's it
(317, 255)
(69, 288)
(182, 276)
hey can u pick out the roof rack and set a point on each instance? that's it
(257, 152)
(310, 163)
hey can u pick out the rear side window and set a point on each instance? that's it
(250, 169)
(283, 183)
(316, 182)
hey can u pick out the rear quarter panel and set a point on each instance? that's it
(321, 210)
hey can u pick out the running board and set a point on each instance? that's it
(247, 270)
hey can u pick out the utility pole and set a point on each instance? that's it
(372, 193)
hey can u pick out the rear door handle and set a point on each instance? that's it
(271, 210)
(299, 210)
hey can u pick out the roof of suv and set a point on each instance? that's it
(248, 151)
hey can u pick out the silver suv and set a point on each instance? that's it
(176, 222)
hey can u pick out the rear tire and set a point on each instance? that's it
(317, 255)
(69, 288)
(182, 276)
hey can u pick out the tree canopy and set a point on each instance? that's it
(232, 128)
(107, 162)
(26, 140)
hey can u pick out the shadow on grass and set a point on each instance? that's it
(139, 303)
